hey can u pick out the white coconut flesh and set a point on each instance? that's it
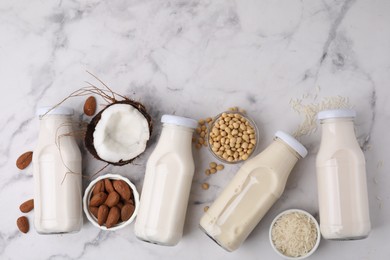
(121, 133)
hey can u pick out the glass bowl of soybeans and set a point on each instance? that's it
(232, 137)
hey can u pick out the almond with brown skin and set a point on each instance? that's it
(90, 106)
(122, 188)
(98, 199)
(24, 160)
(130, 201)
(127, 211)
(120, 205)
(113, 217)
(27, 206)
(99, 187)
(94, 211)
(23, 225)
(112, 199)
(102, 214)
(108, 185)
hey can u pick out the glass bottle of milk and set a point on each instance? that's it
(341, 178)
(252, 192)
(57, 174)
(167, 184)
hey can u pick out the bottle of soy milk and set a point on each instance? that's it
(57, 174)
(341, 178)
(167, 184)
(252, 192)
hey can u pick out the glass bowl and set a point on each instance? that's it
(215, 149)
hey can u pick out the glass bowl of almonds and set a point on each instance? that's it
(232, 137)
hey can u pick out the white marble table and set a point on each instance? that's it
(196, 58)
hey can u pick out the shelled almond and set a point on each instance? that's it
(90, 106)
(23, 225)
(24, 160)
(27, 206)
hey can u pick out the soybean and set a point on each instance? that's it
(205, 186)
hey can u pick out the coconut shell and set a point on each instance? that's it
(89, 141)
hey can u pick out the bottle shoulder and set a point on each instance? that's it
(171, 160)
(340, 154)
(69, 151)
(268, 177)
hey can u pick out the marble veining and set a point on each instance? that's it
(195, 58)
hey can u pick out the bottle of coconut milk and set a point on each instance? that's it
(167, 184)
(252, 192)
(341, 178)
(57, 174)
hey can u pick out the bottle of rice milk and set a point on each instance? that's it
(252, 192)
(57, 174)
(167, 184)
(341, 178)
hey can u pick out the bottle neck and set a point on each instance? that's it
(279, 156)
(177, 135)
(333, 127)
(289, 148)
(52, 126)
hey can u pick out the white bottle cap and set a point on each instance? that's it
(336, 113)
(292, 142)
(179, 120)
(47, 110)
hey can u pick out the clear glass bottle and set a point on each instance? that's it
(258, 184)
(57, 174)
(341, 178)
(167, 184)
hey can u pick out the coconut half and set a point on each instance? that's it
(119, 133)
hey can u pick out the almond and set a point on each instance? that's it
(130, 201)
(112, 199)
(90, 106)
(123, 189)
(120, 205)
(24, 160)
(98, 199)
(108, 185)
(27, 206)
(99, 187)
(102, 214)
(127, 211)
(113, 217)
(23, 225)
(94, 211)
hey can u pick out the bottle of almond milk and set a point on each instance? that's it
(57, 174)
(167, 184)
(341, 178)
(252, 192)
